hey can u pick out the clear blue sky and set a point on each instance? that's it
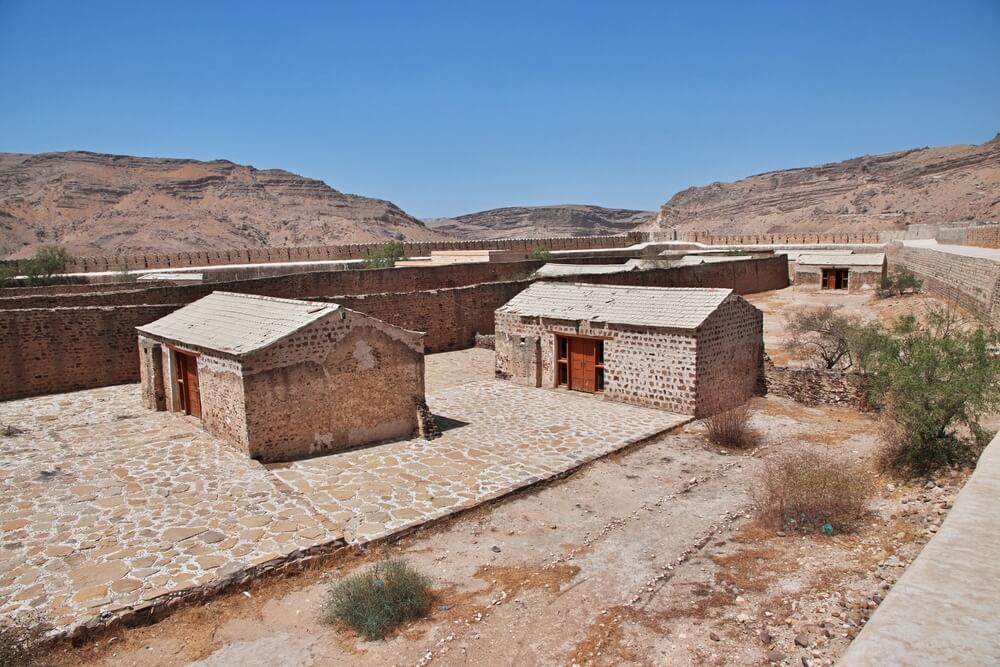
(452, 107)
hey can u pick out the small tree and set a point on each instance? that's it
(7, 274)
(933, 377)
(540, 253)
(48, 261)
(899, 282)
(822, 335)
(386, 256)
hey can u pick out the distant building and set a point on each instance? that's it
(280, 378)
(689, 350)
(852, 273)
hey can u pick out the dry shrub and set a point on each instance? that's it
(375, 601)
(807, 489)
(21, 639)
(731, 428)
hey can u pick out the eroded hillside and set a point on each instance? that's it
(99, 204)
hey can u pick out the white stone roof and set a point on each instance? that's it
(872, 259)
(236, 323)
(664, 307)
(549, 270)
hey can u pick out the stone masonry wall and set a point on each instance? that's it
(812, 386)
(972, 283)
(860, 279)
(648, 367)
(296, 286)
(730, 356)
(45, 351)
(139, 261)
(336, 384)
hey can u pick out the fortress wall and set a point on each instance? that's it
(45, 351)
(709, 238)
(292, 286)
(48, 350)
(139, 261)
(972, 283)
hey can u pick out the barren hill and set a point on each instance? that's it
(924, 185)
(98, 204)
(540, 221)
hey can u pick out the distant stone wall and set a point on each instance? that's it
(451, 318)
(982, 236)
(973, 283)
(812, 386)
(710, 238)
(45, 351)
(94, 343)
(296, 286)
(139, 261)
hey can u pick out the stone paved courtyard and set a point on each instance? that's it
(108, 507)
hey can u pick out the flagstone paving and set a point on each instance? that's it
(108, 507)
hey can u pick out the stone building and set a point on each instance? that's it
(851, 273)
(689, 350)
(280, 378)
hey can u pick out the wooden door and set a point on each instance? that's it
(829, 279)
(187, 378)
(582, 364)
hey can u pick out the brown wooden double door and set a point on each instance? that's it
(835, 278)
(187, 382)
(580, 363)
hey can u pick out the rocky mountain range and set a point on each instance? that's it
(540, 221)
(874, 192)
(95, 204)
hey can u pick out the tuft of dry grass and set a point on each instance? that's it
(731, 428)
(807, 489)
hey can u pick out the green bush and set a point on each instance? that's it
(898, 283)
(540, 253)
(934, 380)
(386, 256)
(47, 262)
(822, 335)
(375, 601)
(7, 274)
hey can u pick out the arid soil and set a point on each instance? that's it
(96, 204)
(645, 557)
(874, 192)
(540, 221)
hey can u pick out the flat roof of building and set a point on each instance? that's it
(871, 259)
(236, 323)
(549, 270)
(662, 307)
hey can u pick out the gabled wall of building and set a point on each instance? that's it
(343, 381)
(730, 349)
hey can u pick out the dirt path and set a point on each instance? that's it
(644, 557)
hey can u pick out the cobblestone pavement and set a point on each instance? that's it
(108, 507)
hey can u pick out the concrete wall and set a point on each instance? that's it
(45, 351)
(972, 283)
(730, 356)
(943, 610)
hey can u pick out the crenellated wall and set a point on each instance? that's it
(139, 261)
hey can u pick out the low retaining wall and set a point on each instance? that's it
(943, 610)
(811, 386)
(46, 351)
